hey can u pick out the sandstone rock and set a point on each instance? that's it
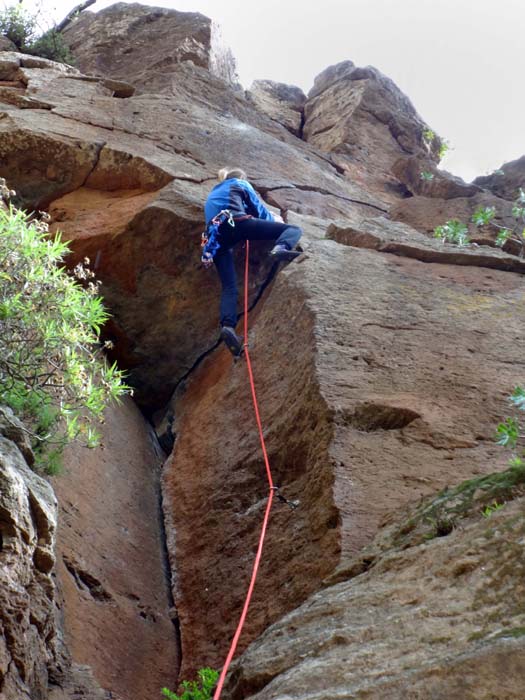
(425, 213)
(506, 181)
(435, 621)
(29, 644)
(364, 363)
(13, 429)
(281, 102)
(399, 239)
(6, 44)
(443, 185)
(142, 44)
(366, 123)
(110, 560)
(131, 199)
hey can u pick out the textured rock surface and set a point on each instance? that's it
(130, 196)
(366, 123)
(281, 102)
(111, 567)
(443, 185)
(437, 621)
(368, 364)
(506, 181)
(142, 45)
(29, 645)
(425, 213)
(382, 359)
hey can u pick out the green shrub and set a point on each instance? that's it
(196, 690)
(51, 45)
(18, 25)
(53, 373)
(453, 231)
(23, 29)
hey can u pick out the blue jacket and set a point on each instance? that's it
(239, 197)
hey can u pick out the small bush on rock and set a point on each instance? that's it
(196, 690)
(23, 29)
(53, 373)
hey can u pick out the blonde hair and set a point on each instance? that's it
(228, 173)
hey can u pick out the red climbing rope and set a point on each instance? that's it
(257, 561)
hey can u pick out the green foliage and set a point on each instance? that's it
(509, 433)
(53, 373)
(51, 45)
(196, 690)
(444, 148)
(483, 215)
(18, 25)
(23, 29)
(429, 137)
(491, 508)
(453, 231)
(425, 175)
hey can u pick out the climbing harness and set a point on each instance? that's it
(273, 491)
(210, 238)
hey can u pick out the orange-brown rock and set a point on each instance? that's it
(380, 379)
(116, 606)
(436, 621)
(130, 198)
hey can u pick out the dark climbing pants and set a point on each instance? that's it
(252, 230)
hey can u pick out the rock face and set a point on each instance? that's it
(116, 604)
(30, 652)
(281, 102)
(435, 621)
(382, 360)
(366, 123)
(143, 44)
(506, 181)
(130, 197)
(381, 382)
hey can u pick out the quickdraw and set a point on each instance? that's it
(210, 238)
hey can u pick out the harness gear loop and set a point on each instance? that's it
(210, 243)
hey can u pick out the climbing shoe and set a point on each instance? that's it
(283, 253)
(232, 341)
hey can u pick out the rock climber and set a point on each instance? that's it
(234, 213)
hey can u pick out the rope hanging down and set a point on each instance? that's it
(272, 490)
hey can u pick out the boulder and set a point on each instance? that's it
(411, 171)
(30, 650)
(506, 181)
(362, 118)
(435, 621)
(142, 44)
(6, 44)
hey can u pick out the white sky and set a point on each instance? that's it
(461, 62)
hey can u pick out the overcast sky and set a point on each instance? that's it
(461, 62)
